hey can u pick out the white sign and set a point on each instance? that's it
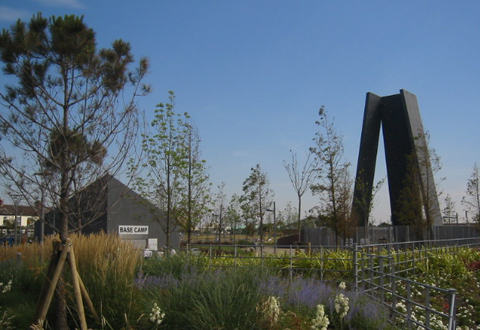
(135, 230)
(152, 244)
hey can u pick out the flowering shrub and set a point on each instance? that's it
(270, 311)
(5, 319)
(156, 315)
(418, 317)
(341, 305)
(320, 322)
(7, 287)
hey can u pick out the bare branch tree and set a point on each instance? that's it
(301, 179)
(471, 201)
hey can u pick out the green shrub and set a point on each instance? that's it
(208, 300)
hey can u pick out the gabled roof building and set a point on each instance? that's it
(110, 206)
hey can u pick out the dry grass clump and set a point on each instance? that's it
(105, 255)
(106, 264)
(32, 254)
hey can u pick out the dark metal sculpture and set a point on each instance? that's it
(404, 140)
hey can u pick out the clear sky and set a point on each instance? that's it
(253, 74)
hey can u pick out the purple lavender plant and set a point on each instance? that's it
(161, 282)
(301, 293)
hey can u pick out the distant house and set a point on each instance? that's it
(119, 210)
(26, 216)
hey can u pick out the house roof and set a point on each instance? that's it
(23, 210)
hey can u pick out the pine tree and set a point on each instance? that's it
(61, 114)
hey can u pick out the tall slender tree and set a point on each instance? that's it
(365, 204)
(196, 199)
(257, 196)
(347, 226)
(330, 171)
(301, 179)
(219, 209)
(419, 206)
(429, 166)
(449, 211)
(471, 201)
(233, 215)
(160, 178)
(61, 123)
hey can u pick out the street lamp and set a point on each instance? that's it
(42, 203)
(16, 198)
(274, 228)
(219, 224)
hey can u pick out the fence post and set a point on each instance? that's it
(414, 267)
(355, 268)
(452, 309)
(291, 264)
(235, 258)
(211, 255)
(261, 255)
(362, 267)
(427, 307)
(381, 277)
(322, 270)
(393, 283)
(409, 305)
(371, 269)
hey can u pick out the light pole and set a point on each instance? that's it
(219, 224)
(16, 198)
(42, 204)
(274, 228)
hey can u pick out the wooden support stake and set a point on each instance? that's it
(45, 304)
(51, 270)
(88, 301)
(76, 289)
(54, 271)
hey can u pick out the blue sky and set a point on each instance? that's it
(253, 74)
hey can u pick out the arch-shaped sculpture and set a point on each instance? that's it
(399, 117)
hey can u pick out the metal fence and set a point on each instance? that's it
(388, 234)
(327, 263)
(382, 271)
(385, 272)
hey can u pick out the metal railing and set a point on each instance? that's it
(385, 272)
(290, 260)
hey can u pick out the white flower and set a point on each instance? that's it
(156, 316)
(7, 287)
(342, 286)
(341, 305)
(320, 322)
(272, 309)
